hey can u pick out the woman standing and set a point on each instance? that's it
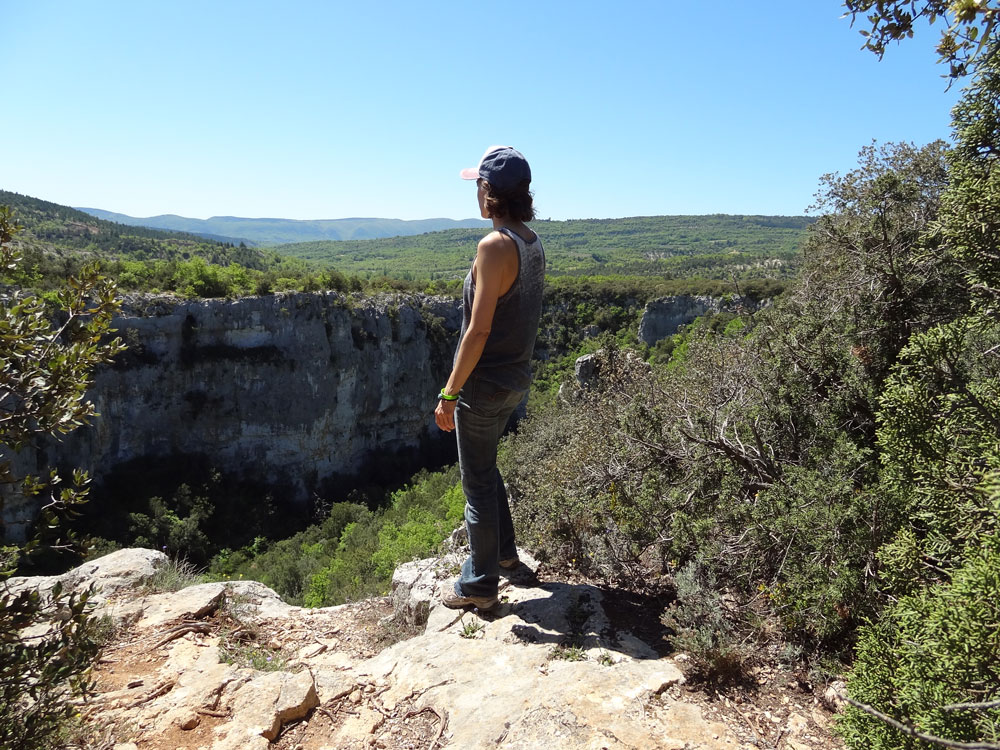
(501, 306)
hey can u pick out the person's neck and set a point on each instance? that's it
(517, 227)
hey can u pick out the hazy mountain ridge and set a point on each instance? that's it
(276, 231)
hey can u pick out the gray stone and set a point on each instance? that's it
(585, 368)
(590, 367)
(193, 602)
(833, 696)
(188, 720)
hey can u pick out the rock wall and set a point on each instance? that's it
(288, 389)
(662, 317)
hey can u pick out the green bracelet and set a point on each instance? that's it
(442, 396)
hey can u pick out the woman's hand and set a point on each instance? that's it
(444, 415)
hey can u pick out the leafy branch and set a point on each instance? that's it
(911, 731)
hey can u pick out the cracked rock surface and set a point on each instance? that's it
(229, 665)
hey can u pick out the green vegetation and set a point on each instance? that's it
(716, 246)
(175, 575)
(144, 506)
(821, 464)
(568, 653)
(58, 241)
(583, 314)
(233, 529)
(240, 637)
(931, 658)
(44, 374)
(972, 23)
(352, 553)
(472, 629)
(65, 232)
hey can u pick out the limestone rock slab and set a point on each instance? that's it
(119, 571)
(271, 700)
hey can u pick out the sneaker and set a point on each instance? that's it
(510, 564)
(457, 601)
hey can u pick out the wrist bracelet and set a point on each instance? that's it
(442, 396)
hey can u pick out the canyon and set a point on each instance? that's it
(302, 393)
(293, 391)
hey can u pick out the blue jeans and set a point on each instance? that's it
(480, 418)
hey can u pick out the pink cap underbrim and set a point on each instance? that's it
(472, 173)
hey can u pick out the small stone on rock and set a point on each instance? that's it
(832, 699)
(188, 721)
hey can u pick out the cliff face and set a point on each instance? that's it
(286, 389)
(662, 317)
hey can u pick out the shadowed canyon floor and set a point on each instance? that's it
(229, 665)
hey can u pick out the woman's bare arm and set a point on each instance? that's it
(492, 266)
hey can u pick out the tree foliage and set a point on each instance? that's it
(969, 24)
(353, 552)
(936, 645)
(47, 642)
(871, 259)
(971, 219)
(749, 460)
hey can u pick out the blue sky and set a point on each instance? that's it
(311, 110)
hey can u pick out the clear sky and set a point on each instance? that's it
(311, 109)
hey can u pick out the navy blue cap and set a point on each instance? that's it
(504, 167)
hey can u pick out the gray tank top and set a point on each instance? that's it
(506, 359)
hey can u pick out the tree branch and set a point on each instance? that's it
(910, 731)
(971, 706)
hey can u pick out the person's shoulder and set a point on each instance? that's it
(496, 242)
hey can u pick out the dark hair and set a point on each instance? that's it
(515, 204)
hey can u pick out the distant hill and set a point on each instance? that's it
(52, 229)
(713, 246)
(717, 246)
(281, 231)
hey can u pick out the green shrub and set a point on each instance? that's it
(939, 434)
(354, 551)
(43, 382)
(351, 575)
(419, 536)
(930, 650)
(706, 627)
(937, 644)
(175, 526)
(752, 452)
(174, 576)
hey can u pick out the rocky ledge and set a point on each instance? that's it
(229, 665)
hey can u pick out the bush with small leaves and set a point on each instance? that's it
(45, 370)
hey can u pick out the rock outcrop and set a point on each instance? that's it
(662, 317)
(228, 665)
(288, 390)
